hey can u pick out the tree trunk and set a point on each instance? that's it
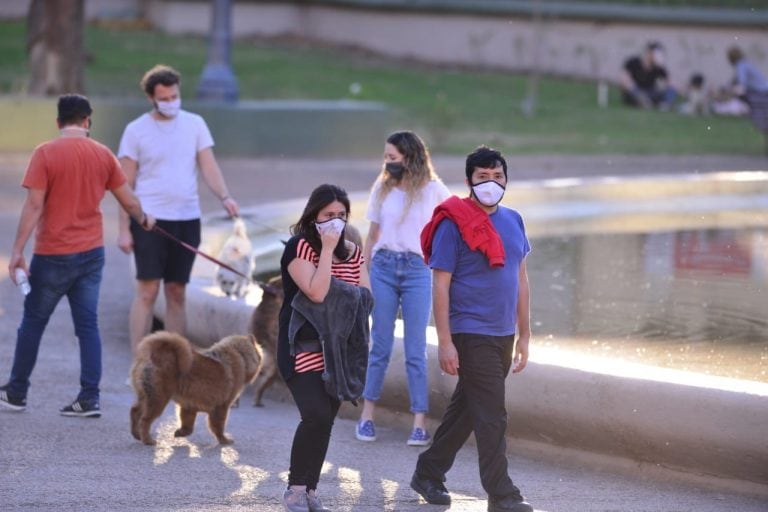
(55, 47)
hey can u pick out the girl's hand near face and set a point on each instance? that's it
(330, 231)
(329, 238)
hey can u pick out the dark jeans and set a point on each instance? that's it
(650, 97)
(78, 276)
(477, 405)
(310, 443)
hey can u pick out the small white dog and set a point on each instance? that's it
(236, 252)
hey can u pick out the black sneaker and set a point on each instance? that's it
(512, 503)
(82, 409)
(13, 403)
(432, 491)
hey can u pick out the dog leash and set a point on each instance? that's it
(197, 251)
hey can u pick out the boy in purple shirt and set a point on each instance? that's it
(478, 309)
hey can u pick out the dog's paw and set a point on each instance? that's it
(226, 440)
(182, 432)
(149, 441)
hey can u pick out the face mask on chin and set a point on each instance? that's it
(76, 130)
(488, 193)
(334, 225)
(168, 108)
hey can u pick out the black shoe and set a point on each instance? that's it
(82, 409)
(8, 401)
(432, 491)
(511, 503)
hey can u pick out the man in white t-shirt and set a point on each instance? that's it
(160, 153)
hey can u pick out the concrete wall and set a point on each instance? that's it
(255, 128)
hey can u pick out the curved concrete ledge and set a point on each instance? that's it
(669, 418)
(700, 424)
(662, 417)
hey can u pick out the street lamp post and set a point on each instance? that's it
(218, 82)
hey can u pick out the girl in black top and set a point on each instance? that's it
(317, 251)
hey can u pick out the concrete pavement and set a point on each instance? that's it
(48, 462)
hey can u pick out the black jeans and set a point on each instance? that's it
(477, 405)
(310, 443)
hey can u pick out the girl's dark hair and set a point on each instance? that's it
(321, 197)
(484, 158)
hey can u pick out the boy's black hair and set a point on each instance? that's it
(484, 158)
(72, 109)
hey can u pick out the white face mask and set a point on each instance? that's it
(169, 108)
(334, 225)
(488, 193)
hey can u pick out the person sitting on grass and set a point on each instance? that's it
(645, 81)
(751, 86)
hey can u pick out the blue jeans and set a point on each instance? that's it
(78, 276)
(400, 279)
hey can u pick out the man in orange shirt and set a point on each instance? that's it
(66, 180)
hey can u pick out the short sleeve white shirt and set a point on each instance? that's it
(166, 154)
(400, 230)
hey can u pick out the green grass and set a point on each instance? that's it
(454, 109)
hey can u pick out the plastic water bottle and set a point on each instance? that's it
(22, 282)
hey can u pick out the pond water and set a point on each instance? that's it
(670, 272)
(692, 300)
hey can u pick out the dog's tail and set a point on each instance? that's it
(168, 350)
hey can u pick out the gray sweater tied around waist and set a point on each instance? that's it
(341, 320)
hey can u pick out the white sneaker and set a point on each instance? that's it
(315, 505)
(295, 501)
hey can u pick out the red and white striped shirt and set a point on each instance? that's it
(349, 271)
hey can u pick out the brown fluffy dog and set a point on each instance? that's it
(264, 325)
(167, 367)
